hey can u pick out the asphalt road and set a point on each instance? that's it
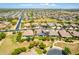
(18, 23)
(55, 51)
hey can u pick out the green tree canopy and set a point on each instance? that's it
(42, 46)
(19, 35)
(2, 35)
(18, 51)
(67, 50)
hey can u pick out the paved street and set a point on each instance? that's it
(18, 23)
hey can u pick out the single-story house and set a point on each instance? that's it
(51, 24)
(35, 24)
(64, 33)
(53, 33)
(40, 32)
(58, 25)
(73, 25)
(43, 24)
(28, 33)
(75, 33)
(46, 31)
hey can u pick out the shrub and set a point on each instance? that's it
(23, 49)
(29, 38)
(67, 50)
(42, 46)
(22, 40)
(36, 43)
(68, 40)
(42, 38)
(31, 45)
(2, 35)
(52, 39)
(18, 51)
(47, 38)
(13, 32)
(39, 51)
(44, 51)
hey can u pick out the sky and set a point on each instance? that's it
(40, 5)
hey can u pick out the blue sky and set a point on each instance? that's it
(40, 5)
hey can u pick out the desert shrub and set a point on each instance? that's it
(67, 50)
(39, 51)
(2, 35)
(42, 46)
(18, 51)
(44, 51)
(35, 43)
(31, 45)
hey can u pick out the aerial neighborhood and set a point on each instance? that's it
(36, 31)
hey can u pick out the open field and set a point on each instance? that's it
(9, 44)
(74, 47)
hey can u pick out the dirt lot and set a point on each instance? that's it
(74, 47)
(9, 44)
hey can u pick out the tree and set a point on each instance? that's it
(19, 35)
(23, 49)
(31, 45)
(44, 51)
(42, 38)
(29, 38)
(77, 18)
(31, 15)
(31, 21)
(52, 39)
(36, 43)
(42, 46)
(46, 38)
(67, 50)
(68, 40)
(2, 35)
(13, 32)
